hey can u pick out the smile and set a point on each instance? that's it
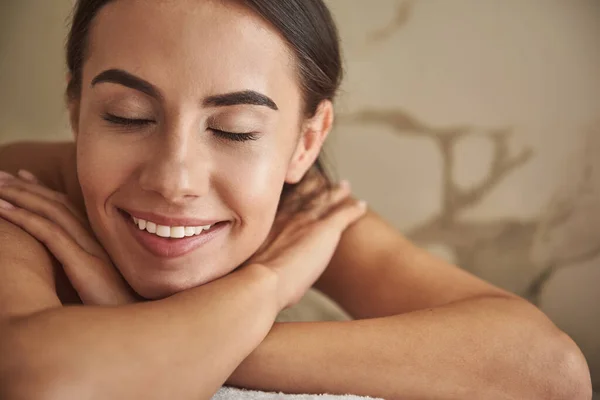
(172, 237)
(174, 232)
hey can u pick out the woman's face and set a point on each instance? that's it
(189, 116)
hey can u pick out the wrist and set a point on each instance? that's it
(269, 283)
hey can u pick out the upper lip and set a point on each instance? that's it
(171, 220)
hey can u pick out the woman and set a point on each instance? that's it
(192, 217)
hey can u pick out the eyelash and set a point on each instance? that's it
(131, 122)
(236, 137)
(114, 119)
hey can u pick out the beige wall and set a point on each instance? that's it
(32, 69)
(472, 125)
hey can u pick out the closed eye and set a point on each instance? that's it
(115, 119)
(133, 122)
(236, 137)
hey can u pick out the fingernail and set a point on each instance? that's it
(6, 176)
(344, 184)
(6, 205)
(28, 176)
(362, 204)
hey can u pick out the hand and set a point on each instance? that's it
(301, 246)
(49, 217)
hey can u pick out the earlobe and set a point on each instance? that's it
(314, 132)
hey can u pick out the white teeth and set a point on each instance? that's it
(178, 232)
(151, 227)
(175, 232)
(163, 231)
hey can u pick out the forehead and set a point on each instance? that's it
(193, 47)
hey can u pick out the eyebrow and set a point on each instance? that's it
(129, 80)
(124, 78)
(244, 97)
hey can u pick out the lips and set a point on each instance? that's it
(176, 244)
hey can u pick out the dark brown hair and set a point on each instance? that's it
(306, 25)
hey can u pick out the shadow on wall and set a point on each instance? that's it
(401, 17)
(519, 255)
(516, 254)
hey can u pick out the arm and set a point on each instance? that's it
(49, 351)
(434, 331)
(202, 333)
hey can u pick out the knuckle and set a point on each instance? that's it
(13, 189)
(62, 208)
(55, 234)
(46, 226)
(21, 214)
(46, 213)
(53, 210)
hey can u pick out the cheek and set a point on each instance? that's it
(102, 158)
(251, 185)
(254, 173)
(251, 182)
(103, 165)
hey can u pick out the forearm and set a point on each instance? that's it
(492, 348)
(182, 347)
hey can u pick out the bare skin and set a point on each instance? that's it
(423, 328)
(417, 293)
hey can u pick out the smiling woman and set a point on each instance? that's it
(172, 139)
(195, 210)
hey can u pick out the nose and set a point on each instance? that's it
(178, 168)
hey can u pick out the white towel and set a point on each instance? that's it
(230, 393)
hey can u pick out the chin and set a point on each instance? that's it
(165, 284)
(157, 291)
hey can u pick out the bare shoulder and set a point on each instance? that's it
(376, 271)
(27, 273)
(30, 277)
(51, 162)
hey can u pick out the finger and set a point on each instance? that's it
(6, 176)
(55, 212)
(27, 176)
(345, 214)
(328, 200)
(6, 205)
(108, 286)
(40, 189)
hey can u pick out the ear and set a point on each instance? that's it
(313, 133)
(74, 116)
(73, 106)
